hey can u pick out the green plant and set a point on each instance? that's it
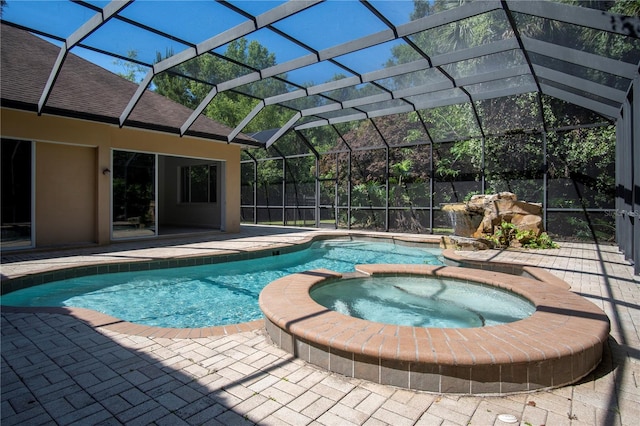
(507, 232)
(526, 238)
(491, 240)
(470, 194)
(544, 242)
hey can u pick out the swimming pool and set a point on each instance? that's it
(209, 295)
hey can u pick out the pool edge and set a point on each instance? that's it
(107, 322)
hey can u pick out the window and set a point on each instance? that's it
(198, 184)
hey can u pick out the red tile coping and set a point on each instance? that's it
(7, 278)
(452, 258)
(558, 345)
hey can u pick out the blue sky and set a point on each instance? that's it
(324, 25)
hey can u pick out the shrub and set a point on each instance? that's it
(507, 234)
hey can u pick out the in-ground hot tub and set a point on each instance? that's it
(561, 342)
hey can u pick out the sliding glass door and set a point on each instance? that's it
(17, 193)
(134, 194)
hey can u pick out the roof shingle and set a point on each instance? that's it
(85, 90)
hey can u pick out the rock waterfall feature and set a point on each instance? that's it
(476, 222)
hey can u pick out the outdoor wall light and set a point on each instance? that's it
(106, 171)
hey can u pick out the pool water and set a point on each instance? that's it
(422, 302)
(208, 295)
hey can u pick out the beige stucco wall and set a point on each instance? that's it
(66, 196)
(54, 136)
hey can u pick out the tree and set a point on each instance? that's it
(190, 82)
(511, 156)
(132, 70)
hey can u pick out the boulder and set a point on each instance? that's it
(464, 225)
(529, 222)
(482, 214)
(498, 208)
(463, 243)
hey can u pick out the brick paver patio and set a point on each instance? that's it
(59, 369)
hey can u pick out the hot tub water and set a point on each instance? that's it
(422, 301)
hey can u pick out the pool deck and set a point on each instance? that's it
(59, 368)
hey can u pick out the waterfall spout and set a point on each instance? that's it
(460, 219)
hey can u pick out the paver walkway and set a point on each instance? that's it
(56, 369)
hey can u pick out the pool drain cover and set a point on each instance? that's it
(507, 418)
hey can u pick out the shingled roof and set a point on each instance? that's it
(87, 91)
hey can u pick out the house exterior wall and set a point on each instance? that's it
(65, 196)
(58, 151)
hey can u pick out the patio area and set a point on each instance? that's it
(62, 369)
